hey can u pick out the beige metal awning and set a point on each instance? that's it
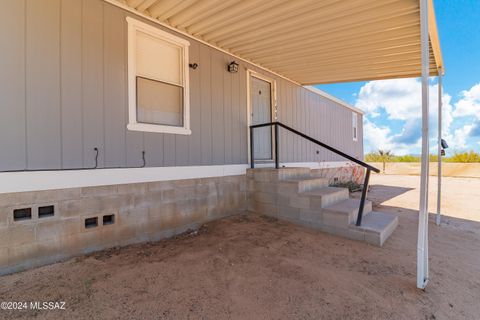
(308, 41)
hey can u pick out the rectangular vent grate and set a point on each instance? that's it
(22, 214)
(91, 222)
(108, 219)
(46, 211)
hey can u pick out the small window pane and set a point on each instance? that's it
(159, 103)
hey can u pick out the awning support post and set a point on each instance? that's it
(438, 217)
(422, 242)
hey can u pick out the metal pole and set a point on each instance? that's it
(362, 200)
(252, 157)
(422, 242)
(438, 217)
(277, 160)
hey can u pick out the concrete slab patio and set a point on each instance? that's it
(254, 267)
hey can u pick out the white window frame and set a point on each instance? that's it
(134, 26)
(355, 126)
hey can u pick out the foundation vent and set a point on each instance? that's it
(46, 211)
(91, 222)
(108, 219)
(22, 214)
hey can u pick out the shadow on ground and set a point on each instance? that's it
(380, 193)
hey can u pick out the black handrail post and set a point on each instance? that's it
(252, 161)
(364, 195)
(277, 160)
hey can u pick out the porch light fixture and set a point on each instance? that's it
(444, 144)
(233, 67)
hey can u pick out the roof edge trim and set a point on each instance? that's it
(434, 38)
(334, 99)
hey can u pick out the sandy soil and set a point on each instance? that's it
(250, 267)
(460, 196)
(449, 169)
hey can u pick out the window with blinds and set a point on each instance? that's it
(157, 79)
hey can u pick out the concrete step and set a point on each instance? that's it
(298, 195)
(345, 212)
(297, 185)
(324, 197)
(377, 227)
(318, 173)
(264, 161)
(272, 174)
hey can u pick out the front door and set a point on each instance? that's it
(261, 107)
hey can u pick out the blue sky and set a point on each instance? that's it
(392, 107)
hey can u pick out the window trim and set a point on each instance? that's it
(133, 125)
(355, 126)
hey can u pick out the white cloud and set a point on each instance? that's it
(400, 99)
(381, 137)
(376, 137)
(458, 141)
(469, 104)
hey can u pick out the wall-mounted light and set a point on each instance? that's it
(233, 67)
(193, 65)
(444, 144)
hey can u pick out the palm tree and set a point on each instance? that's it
(384, 156)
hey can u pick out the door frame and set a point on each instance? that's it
(273, 103)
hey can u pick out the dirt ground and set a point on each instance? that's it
(251, 267)
(449, 169)
(460, 196)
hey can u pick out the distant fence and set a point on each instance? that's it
(471, 170)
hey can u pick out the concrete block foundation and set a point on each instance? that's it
(95, 218)
(43, 227)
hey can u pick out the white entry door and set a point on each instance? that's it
(261, 112)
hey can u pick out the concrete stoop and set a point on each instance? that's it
(296, 195)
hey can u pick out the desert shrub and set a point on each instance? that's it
(459, 157)
(464, 157)
(406, 158)
(373, 157)
(352, 186)
(380, 156)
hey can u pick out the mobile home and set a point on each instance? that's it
(130, 121)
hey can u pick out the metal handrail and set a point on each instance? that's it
(277, 124)
(363, 164)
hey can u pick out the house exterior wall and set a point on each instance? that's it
(63, 92)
